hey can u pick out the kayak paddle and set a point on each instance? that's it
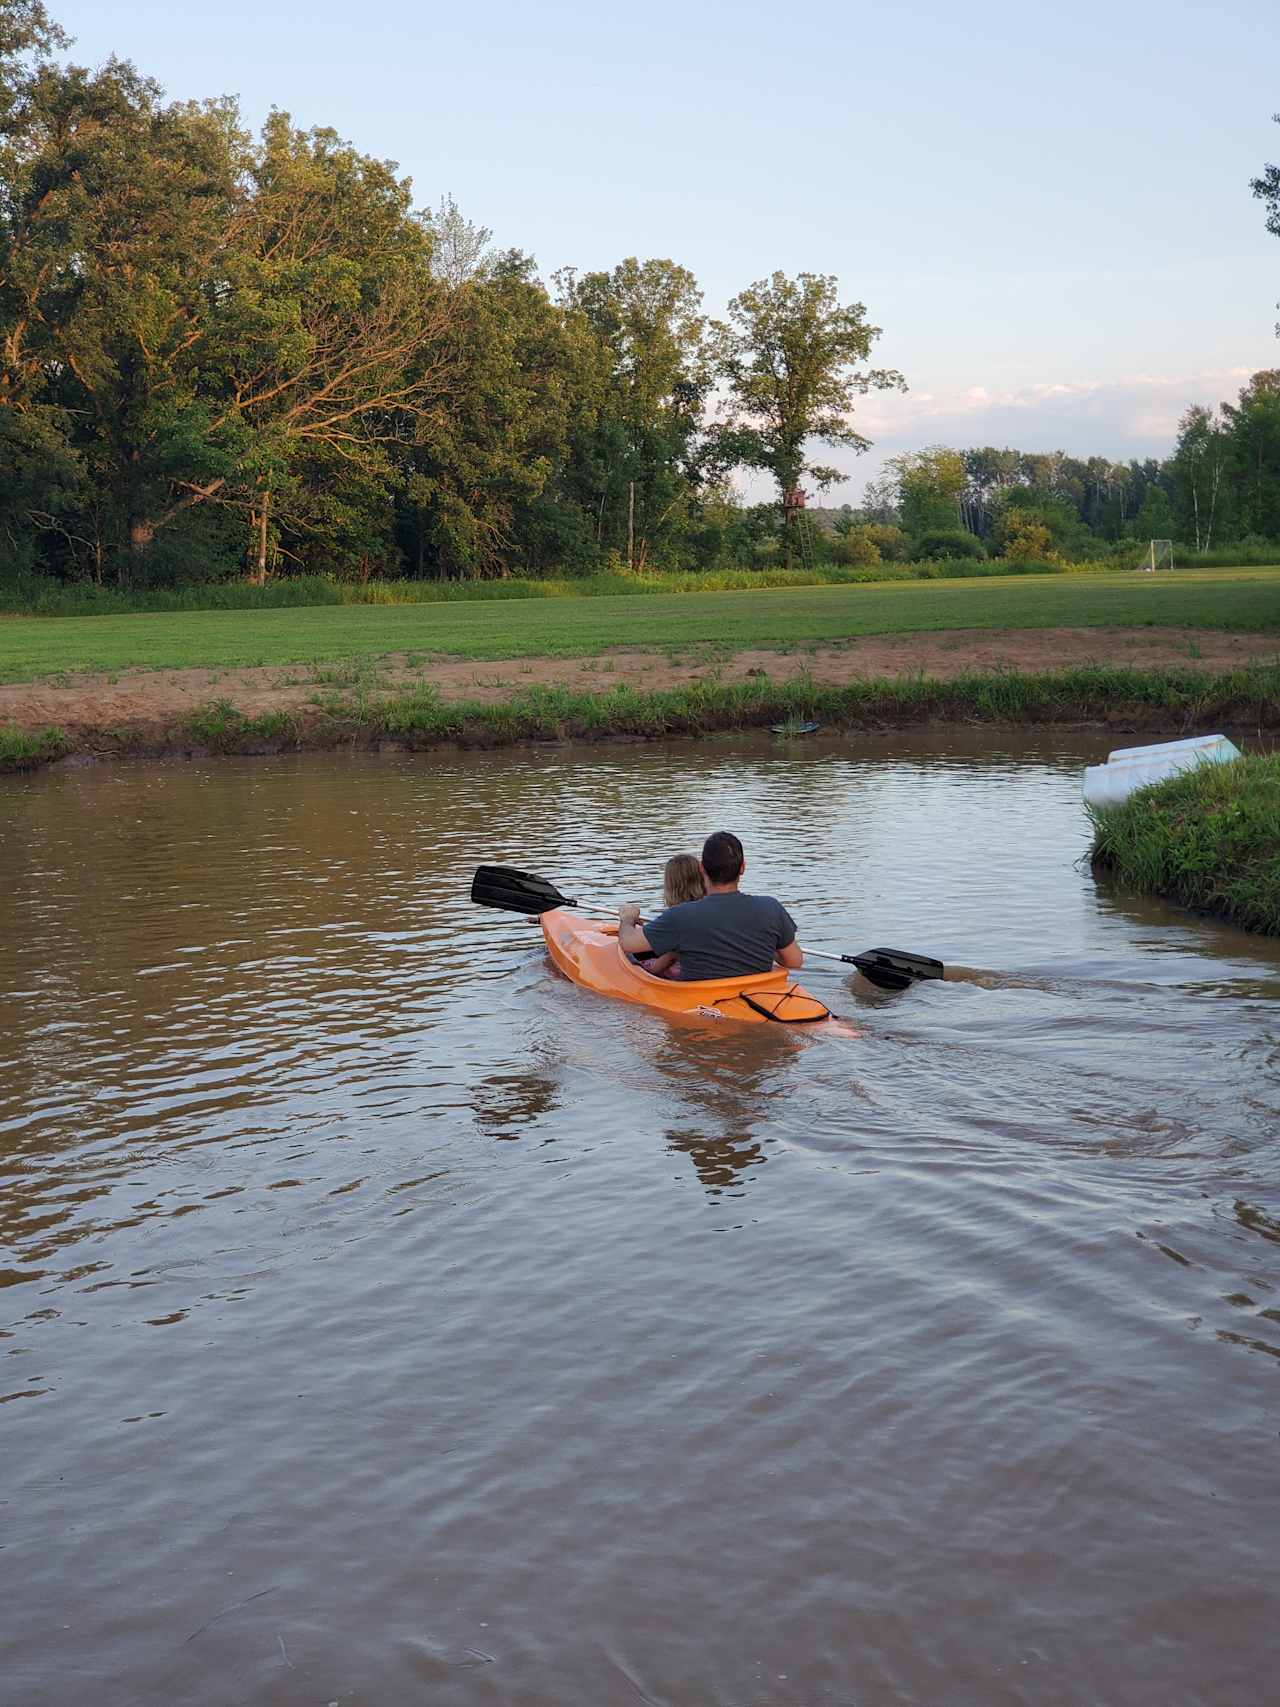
(890, 968)
(520, 892)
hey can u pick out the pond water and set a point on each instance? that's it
(387, 1321)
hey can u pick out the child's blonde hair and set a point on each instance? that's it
(682, 880)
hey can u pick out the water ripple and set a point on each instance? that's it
(385, 1318)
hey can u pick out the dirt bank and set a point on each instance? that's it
(147, 701)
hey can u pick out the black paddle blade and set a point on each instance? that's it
(515, 891)
(895, 968)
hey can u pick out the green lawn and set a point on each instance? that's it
(790, 617)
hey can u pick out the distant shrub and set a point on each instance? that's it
(1025, 535)
(855, 548)
(889, 541)
(948, 545)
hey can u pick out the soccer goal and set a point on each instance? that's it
(1159, 555)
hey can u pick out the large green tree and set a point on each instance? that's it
(635, 466)
(481, 486)
(340, 340)
(789, 357)
(1199, 469)
(1253, 425)
(931, 488)
(1267, 190)
(192, 318)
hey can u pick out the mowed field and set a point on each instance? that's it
(1241, 600)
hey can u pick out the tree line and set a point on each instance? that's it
(1219, 486)
(235, 354)
(225, 353)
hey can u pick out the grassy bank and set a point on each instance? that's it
(783, 617)
(1208, 839)
(1176, 701)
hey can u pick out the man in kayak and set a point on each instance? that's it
(724, 934)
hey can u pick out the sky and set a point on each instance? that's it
(1046, 208)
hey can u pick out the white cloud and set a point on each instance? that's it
(1126, 403)
(1132, 416)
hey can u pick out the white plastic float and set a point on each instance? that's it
(1135, 767)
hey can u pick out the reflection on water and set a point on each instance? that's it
(383, 1319)
(507, 1104)
(720, 1163)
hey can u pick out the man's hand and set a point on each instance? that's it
(631, 938)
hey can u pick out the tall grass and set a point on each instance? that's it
(1180, 699)
(24, 750)
(1245, 554)
(1209, 839)
(35, 597)
(222, 727)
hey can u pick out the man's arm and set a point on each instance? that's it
(790, 954)
(630, 936)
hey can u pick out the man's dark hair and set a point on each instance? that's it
(722, 856)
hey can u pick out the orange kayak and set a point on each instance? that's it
(588, 953)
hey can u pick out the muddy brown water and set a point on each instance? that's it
(387, 1321)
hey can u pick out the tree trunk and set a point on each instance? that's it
(257, 553)
(1213, 503)
(1257, 514)
(141, 532)
(631, 524)
(263, 515)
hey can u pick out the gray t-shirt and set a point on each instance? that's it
(722, 935)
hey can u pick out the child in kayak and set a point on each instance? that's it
(681, 881)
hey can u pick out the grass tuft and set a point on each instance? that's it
(1208, 839)
(222, 727)
(23, 750)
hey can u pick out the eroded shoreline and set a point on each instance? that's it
(1172, 683)
(150, 701)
